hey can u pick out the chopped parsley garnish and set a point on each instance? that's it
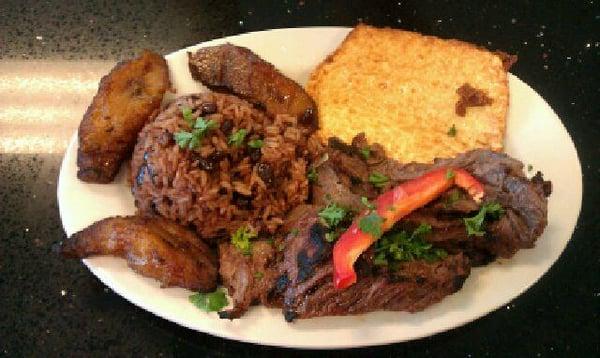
(366, 152)
(367, 203)
(400, 246)
(312, 175)
(371, 224)
(255, 143)
(378, 180)
(188, 116)
(237, 138)
(191, 140)
(241, 239)
(452, 131)
(449, 174)
(475, 225)
(209, 302)
(259, 275)
(332, 215)
(182, 138)
(529, 167)
(294, 232)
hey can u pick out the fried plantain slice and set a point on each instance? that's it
(242, 72)
(154, 247)
(129, 95)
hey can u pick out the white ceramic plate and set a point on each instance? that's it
(535, 135)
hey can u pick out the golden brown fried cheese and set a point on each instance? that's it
(130, 94)
(400, 89)
(154, 247)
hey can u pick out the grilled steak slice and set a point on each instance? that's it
(248, 278)
(524, 200)
(242, 72)
(154, 247)
(308, 269)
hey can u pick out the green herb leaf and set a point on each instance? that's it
(367, 203)
(182, 138)
(449, 174)
(259, 275)
(312, 175)
(400, 247)
(188, 116)
(475, 225)
(371, 224)
(378, 180)
(294, 232)
(202, 125)
(255, 143)
(452, 131)
(209, 302)
(237, 138)
(366, 152)
(192, 139)
(332, 215)
(241, 239)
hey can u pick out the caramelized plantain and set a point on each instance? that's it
(154, 247)
(129, 95)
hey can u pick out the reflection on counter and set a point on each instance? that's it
(42, 102)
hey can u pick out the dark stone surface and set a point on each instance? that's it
(52, 307)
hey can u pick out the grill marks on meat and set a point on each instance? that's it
(248, 278)
(127, 97)
(239, 70)
(415, 286)
(153, 247)
(309, 292)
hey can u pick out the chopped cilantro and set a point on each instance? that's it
(529, 167)
(371, 224)
(209, 302)
(255, 143)
(259, 275)
(192, 139)
(188, 116)
(367, 203)
(400, 246)
(202, 125)
(312, 175)
(237, 138)
(182, 138)
(452, 131)
(378, 180)
(332, 215)
(366, 152)
(449, 174)
(475, 225)
(294, 232)
(241, 239)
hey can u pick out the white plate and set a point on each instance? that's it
(535, 135)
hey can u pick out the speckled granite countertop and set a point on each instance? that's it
(52, 55)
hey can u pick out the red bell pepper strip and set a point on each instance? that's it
(392, 206)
